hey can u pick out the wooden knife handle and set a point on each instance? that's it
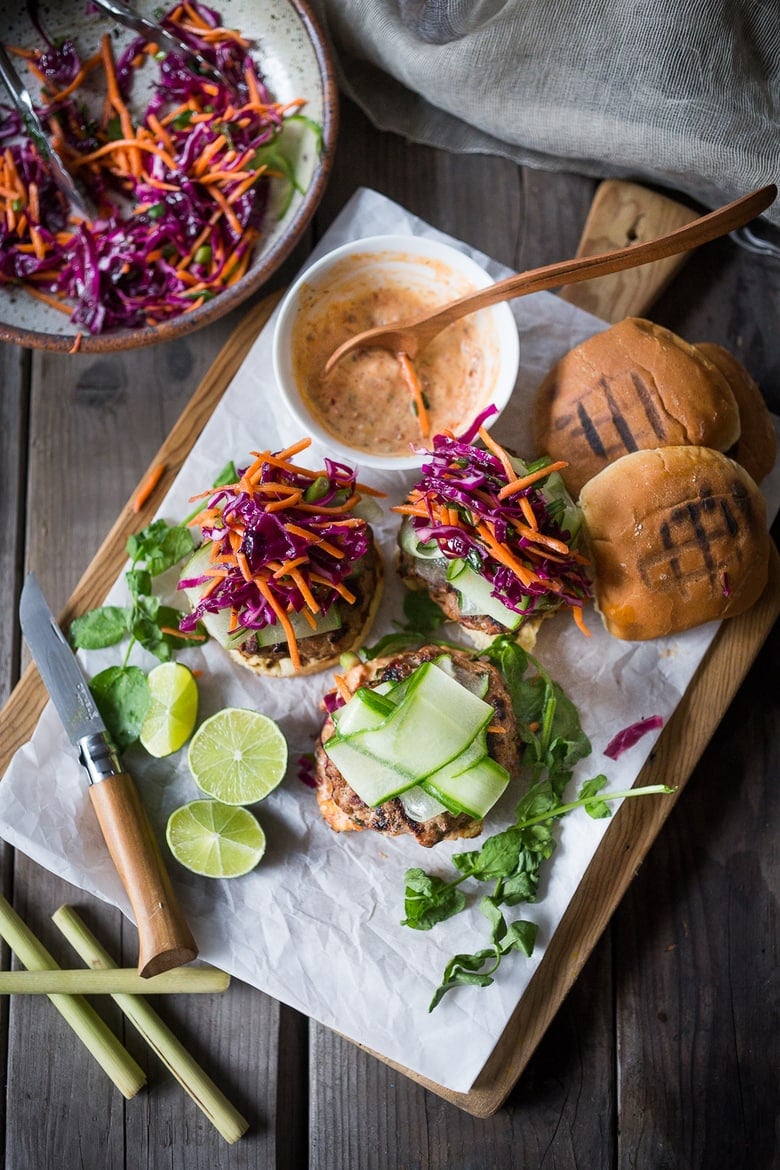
(164, 938)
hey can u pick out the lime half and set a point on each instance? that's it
(215, 839)
(172, 711)
(238, 756)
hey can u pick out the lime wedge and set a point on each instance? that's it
(172, 711)
(238, 756)
(215, 839)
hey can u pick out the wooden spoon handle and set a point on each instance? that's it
(691, 235)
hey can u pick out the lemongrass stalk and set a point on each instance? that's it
(93, 1032)
(222, 1115)
(120, 980)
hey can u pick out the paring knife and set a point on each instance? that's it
(20, 96)
(164, 937)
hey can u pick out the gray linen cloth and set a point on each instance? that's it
(684, 94)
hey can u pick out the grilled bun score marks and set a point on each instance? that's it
(635, 386)
(498, 534)
(375, 401)
(284, 559)
(678, 537)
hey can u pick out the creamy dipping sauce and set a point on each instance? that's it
(366, 401)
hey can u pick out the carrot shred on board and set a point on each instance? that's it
(76, 343)
(147, 486)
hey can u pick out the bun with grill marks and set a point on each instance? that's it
(635, 386)
(677, 536)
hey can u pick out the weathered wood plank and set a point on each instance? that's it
(96, 421)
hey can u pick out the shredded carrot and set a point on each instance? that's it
(418, 398)
(76, 343)
(147, 486)
(579, 618)
(520, 483)
(498, 451)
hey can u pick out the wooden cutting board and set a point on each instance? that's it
(621, 214)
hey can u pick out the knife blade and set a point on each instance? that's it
(20, 96)
(164, 938)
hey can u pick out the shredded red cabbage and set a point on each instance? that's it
(168, 235)
(459, 490)
(281, 537)
(630, 735)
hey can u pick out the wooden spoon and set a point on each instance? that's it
(409, 337)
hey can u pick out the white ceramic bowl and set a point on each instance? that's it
(428, 267)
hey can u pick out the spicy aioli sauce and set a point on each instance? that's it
(366, 401)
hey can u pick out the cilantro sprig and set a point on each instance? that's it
(511, 860)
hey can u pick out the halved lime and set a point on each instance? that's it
(238, 755)
(172, 711)
(215, 839)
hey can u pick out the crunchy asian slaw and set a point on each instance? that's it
(180, 193)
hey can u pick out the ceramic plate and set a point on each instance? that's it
(292, 56)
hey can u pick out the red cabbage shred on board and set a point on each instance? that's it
(177, 219)
(631, 735)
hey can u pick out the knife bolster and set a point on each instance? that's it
(99, 757)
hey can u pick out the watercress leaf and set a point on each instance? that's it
(429, 900)
(175, 544)
(122, 697)
(520, 936)
(490, 908)
(228, 474)
(598, 809)
(464, 970)
(421, 611)
(104, 626)
(139, 582)
(141, 544)
(497, 857)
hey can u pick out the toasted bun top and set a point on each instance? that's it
(678, 536)
(756, 447)
(635, 386)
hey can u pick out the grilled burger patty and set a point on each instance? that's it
(419, 574)
(343, 809)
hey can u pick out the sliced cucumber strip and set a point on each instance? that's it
(419, 805)
(476, 596)
(436, 720)
(218, 624)
(411, 544)
(364, 710)
(476, 683)
(473, 791)
(375, 781)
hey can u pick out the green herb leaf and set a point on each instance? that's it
(429, 900)
(122, 697)
(423, 620)
(100, 627)
(598, 809)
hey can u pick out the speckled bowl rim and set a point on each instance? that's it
(255, 278)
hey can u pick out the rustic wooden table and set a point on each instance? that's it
(665, 1052)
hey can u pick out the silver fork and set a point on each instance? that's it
(161, 36)
(20, 96)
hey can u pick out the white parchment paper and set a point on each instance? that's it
(317, 924)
